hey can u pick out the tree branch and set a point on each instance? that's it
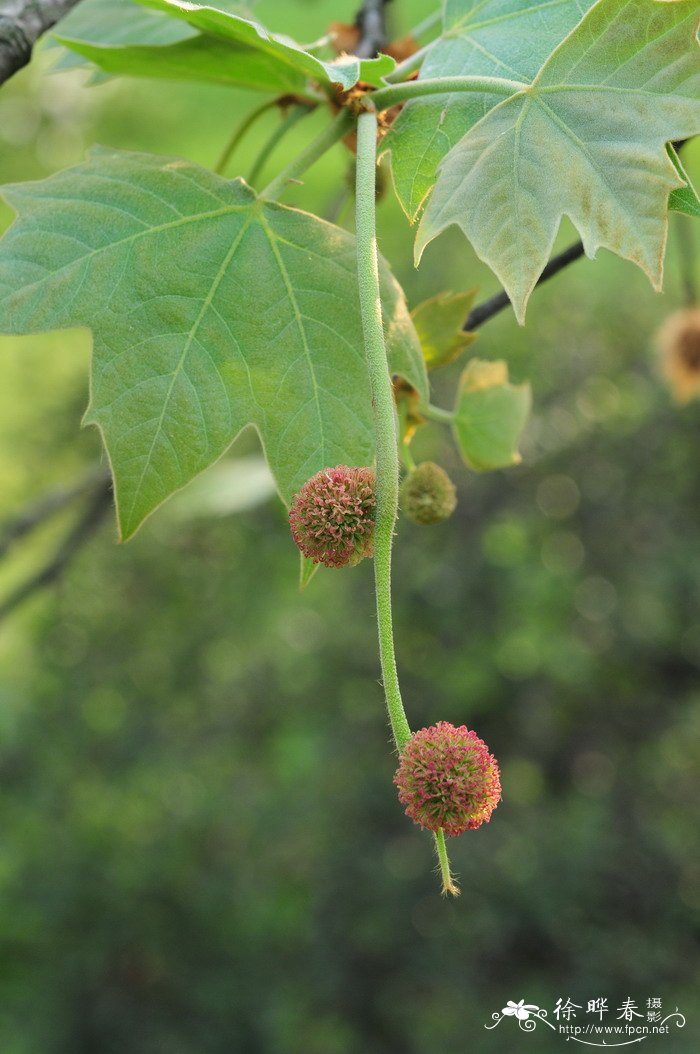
(42, 509)
(371, 23)
(74, 540)
(22, 22)
(486, 310)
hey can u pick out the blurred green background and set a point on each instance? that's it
(201, 849)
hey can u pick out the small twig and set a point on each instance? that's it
(74, 540)
(371, 23)
(295, 114)
(309, 155)
(486, 310)
(53, 501)
(239, 133)
(22, 22)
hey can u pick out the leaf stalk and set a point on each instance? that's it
(308, 157)
(436, 413)
(383, 98)
(239, 133)
(295, 115)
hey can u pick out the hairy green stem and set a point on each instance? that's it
(239, 133)
(316, 149)
(436, 413)
(386, 439)
(448, 883)
(383, 98)
(384, 416)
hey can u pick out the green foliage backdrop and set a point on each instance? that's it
(199, 854)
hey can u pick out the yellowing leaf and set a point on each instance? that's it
(439, 322)
(490, 415)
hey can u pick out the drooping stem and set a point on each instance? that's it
(386, 439)
(309, 155)
(240, 131)
(295, 114)
(383, 98)
(384, 416)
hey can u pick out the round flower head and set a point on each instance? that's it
(428, 494)
(447, 778)
(332, 516)
(679, 346)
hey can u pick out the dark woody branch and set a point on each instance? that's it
(35, 514)
(95, 511)
(486, 310)
(22, 22)
(371, 24)
(483, 312)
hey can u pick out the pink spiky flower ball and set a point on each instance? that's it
(448, 779)
(332, 516)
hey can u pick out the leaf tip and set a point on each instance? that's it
(419, 248)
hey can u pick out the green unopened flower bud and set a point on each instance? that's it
(428, 494)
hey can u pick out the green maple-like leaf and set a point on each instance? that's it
(210, 308)
(490, 415)
(439, 322)
(684, 199)
(492, 38)
(229, 49)
(197, 58)
(586, 139)
(211, 20)
(118, 23)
